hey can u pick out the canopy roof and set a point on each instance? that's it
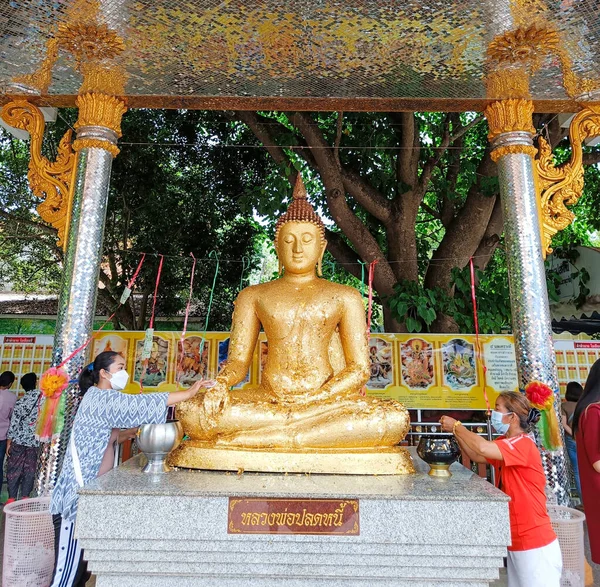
(301, 54)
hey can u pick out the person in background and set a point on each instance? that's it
(534, 557)
(103, 410)
(7, 403)
(572, 395)
(22, 446)
(586, 426)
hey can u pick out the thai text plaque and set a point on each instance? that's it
(248, 515)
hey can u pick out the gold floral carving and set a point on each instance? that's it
(89, 42)
(522, 46)
(526, 47)
(97, 144)
(94, 47)
(512, 150)
(51, 181)
(509, 116)
(97, 109)
(42, 77)
(561, 186)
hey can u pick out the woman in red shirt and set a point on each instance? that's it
(586, 426)
(534, 558)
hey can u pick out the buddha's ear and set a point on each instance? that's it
(279, 266)
(320, 261)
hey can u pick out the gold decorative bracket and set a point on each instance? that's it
(561, 186)
(51, 181)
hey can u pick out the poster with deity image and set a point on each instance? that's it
(223, 354)
(458, 359)
(417, 363)
(192, 363)
(380, 357)
(111, 342)
(155, 371)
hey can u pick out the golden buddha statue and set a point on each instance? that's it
(308, 414)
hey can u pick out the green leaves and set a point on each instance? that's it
(417, 306)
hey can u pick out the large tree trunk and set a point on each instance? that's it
(398, 210)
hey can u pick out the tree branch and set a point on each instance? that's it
(491, 237)
(37, 225)
(432, 162)
(366, 195)
(343, 254)
(591, 158)
(364, 242)
(338, 138)
(464, 233)
(263, 134)
(430, 210)
(407, 165)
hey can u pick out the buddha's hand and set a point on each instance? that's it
(216, 400)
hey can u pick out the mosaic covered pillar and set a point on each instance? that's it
(98, 128)
(511, 133)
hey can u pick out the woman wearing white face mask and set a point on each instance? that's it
(102, 412)
(534, 558)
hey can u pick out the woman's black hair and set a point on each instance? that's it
(574, 391)
(590, 395)
(29, 381)
(91, 373)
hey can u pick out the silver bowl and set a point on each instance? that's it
(156, 441)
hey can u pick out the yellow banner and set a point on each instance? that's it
(429, 371)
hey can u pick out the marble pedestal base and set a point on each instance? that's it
(171, 530)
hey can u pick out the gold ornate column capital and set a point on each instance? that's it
(51, 181)
(510, 127)
(99, 122)
(509, 116)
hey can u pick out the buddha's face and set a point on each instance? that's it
(299, 246)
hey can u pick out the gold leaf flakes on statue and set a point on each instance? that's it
(51, 181)
(304, 416)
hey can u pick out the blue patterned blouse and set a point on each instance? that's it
(100, 411)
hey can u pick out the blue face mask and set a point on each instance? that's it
(497, 424)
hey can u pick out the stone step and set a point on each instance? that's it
(228, 581)
(281, 544)
(291, 558)
(309, 571)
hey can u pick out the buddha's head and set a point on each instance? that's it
(300, 235)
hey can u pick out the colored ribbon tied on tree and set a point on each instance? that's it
(51, 418)
(541, 397)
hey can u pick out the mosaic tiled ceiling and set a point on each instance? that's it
(355, 54)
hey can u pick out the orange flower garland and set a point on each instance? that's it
(541, 397)
(54, 381)
(51, 417)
